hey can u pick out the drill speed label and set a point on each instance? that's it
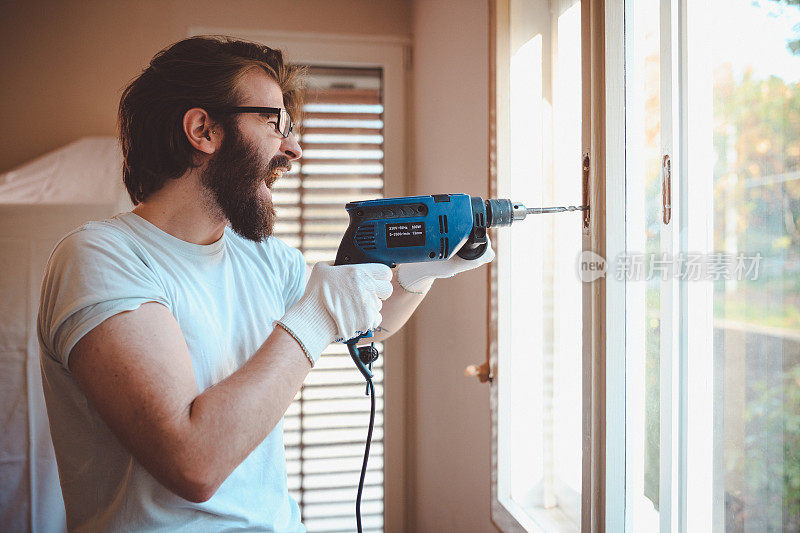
(401, 234)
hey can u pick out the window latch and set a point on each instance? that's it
(585, 192)
(666, 188)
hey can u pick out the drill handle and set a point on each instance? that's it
(476, 242)
(474, 247)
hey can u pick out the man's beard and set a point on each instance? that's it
(232, 179)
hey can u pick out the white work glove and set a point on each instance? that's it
(340, 302)
(418, 277)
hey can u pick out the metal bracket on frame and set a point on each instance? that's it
(586, 166)
(666, 188)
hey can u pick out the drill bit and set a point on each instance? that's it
(542, 210)
(519, 211)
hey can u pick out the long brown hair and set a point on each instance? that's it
(196, 72)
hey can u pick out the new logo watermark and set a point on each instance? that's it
(636, 266)
(591, 266)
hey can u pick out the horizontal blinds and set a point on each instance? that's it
(325, 428)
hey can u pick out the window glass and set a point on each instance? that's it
(539, 290)
(756, 233)
(640, 265)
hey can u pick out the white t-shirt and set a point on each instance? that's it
(225, 297)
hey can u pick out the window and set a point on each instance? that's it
(751, 173)
(697, 155)
(708, 266)
(645, 242)
(538, 315)
(326, 425)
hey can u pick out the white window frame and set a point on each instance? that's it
(702, 490)
(690, 497)
(613, 485)
(508, 515)
(392, 55)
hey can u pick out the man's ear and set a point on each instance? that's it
(201, 131)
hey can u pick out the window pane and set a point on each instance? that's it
(756, 136)
(641, 263)
(539, 291)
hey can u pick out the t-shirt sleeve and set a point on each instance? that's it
(92, 274)
(297, 279)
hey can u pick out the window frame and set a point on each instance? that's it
(691, 491)
(593, 233)
(393, 56)
(690, 496)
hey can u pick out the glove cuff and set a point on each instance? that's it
(311, 326)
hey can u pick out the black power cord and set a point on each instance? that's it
(363, 358)
(371, 393)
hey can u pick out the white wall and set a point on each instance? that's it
(450, 429)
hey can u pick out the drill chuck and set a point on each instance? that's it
(503, 212)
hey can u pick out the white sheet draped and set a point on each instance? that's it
(39, 202)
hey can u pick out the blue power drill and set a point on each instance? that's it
(415, 229)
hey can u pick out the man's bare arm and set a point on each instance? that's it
(136, 372)
(418, 277)
(396, 311)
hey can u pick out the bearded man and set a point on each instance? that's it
(174, 337)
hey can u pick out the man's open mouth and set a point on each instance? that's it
(274, 176)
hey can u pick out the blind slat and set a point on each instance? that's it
(372, 492)
(375, 507)
(320, 407)
(342, 525)
(333, 96)
(352, 161)
(334, 451)
(321, 198)
(323, 466)
(341, 479)
(348, 116)
(334, 434)
(338, 185)
(341, 391)
(315, 130)
(344, 510)
(314, 139)
(328, 421)
(341, 146)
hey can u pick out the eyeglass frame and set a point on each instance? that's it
(282, 114)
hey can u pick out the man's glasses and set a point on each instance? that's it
(285, 124)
